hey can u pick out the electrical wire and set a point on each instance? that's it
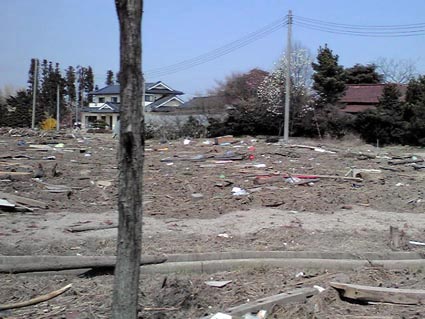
(219, 52)
(382, 31)
(357, 26)
(400, 30)
(360, 33)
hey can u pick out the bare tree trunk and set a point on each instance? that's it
(130, 156)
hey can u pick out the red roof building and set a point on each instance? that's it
(362, 97)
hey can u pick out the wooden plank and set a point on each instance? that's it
(275, 179)
(21, 264)
(23, 200)
(267, 303)
(6, 173)
(83, 228)
(379, 294)
(406, 161)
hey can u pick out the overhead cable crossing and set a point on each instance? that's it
(219, 52)
(382, 31)
(378, 31)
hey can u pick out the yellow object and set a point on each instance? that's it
(48, 124)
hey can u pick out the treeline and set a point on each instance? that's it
(45, 78)
(396, 120)
(255, 102)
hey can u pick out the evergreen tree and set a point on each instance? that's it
(329, 77)
(362, 74)
(89, 83)
(4, 115)
(387, 124)
(415, 100)
(109, 78)
(31, 76)
(70, 84)
(20, 107)
(51, 78)
(416, 91)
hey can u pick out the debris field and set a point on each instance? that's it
(307, 227)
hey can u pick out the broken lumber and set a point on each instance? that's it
(20, 264)
(379, 294)
(224, 139)
(14, 175)
(276, 179)
(23, 200)
(417, 166)
(36, 300)
(314, 148)
(83, 228)
(267, 303)
(406, 161)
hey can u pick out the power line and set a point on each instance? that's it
(382, 31)
(379, 34)
(398, 30)
(221, 51)
(357, 26)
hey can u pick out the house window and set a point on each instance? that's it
(101, 100)
(149, 98)
(114, 99)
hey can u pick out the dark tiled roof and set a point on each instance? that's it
(366, 93)
(114, 108)
(110, 89)
(163, 91)
(115, 89)
(157, 103)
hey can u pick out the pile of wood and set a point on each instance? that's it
(10, 202)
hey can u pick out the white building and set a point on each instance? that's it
(105, 107)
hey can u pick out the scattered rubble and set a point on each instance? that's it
(189, 183)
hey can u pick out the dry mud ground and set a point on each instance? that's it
(189, 207)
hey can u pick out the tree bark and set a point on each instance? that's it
(130, 158)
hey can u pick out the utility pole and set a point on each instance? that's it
(34, 92)
(57, 109)
(288, 80)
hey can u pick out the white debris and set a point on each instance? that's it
(218, 283)
(319, 288)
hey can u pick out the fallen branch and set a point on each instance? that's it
(36, 300)
(267, 303)
(276, 179)
(83, 228)
(161, 308)
(406, 161)
(378, 294)
(21, 264)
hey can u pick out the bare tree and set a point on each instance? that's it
(396, 71)
(130, 157)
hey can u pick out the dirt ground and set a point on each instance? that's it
(189, 207)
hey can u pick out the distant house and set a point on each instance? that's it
(362, 97)
(105, 107)
(211, 104)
